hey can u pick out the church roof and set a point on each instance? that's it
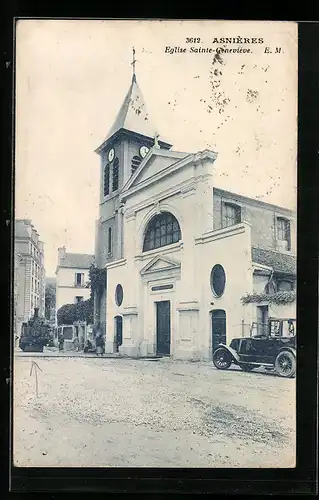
(280, 262)
(133, 115)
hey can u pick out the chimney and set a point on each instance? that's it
(62, 253)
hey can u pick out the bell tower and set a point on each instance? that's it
(126, 144)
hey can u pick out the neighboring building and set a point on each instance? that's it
(18, 295)
(29, 271)
(72, 277)
(179, 252)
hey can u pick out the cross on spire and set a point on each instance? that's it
(156, 136)
(133, 62)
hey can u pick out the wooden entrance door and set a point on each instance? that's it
(218, 328)
(163, 327)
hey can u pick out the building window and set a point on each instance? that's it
(109, 240)
(232, 214)
(285, 286)
(79, 279)
(218, 280)
(162, 230)
(115, 171)
(283, 233)
(136, 160)
(106, 180)
(78, 299)
(119, 295)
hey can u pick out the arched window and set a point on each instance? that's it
(115, 182)
(109, 240)
(106, 180)
(163, 229)
(136, 160)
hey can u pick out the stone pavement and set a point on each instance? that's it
(135, 413)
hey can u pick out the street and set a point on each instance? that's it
(149, 413)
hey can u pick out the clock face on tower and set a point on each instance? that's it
(111, 154)
(143, 151)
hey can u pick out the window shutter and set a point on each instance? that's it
(288, 234)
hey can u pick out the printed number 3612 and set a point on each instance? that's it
(192, 40)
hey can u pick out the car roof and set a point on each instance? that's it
(282, 319)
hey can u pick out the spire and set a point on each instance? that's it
(133, 64)
(133, 115)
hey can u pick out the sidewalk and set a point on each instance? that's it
(54, 352)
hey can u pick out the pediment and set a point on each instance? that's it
(160, 263)
(156, 161)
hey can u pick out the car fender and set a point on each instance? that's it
(290, 349)
(230, 350)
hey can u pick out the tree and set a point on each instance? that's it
(37, 331)
(50, 297)
(82, 311)
(97, 279)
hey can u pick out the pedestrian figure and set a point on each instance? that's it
(61, 342)
(76, 344)
(88, 346)
(99, 341)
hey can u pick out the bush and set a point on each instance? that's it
(278, 298)
(82, 311)
(36, 332)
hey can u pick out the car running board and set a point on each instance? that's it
(254, 363)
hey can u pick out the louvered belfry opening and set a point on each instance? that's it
(136, 161)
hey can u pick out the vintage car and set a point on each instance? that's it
(274, 349)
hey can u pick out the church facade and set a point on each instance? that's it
(180, 253)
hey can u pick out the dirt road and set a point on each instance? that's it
(137, 413)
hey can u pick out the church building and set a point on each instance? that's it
(180, 253)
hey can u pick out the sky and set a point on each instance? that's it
(72, 77)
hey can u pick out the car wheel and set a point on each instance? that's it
(247, 368)
(222, 359)
(285, 364)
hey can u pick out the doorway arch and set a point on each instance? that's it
(218, 321)
(118, 332)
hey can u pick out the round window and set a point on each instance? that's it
(218, 280)
(119, 295)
